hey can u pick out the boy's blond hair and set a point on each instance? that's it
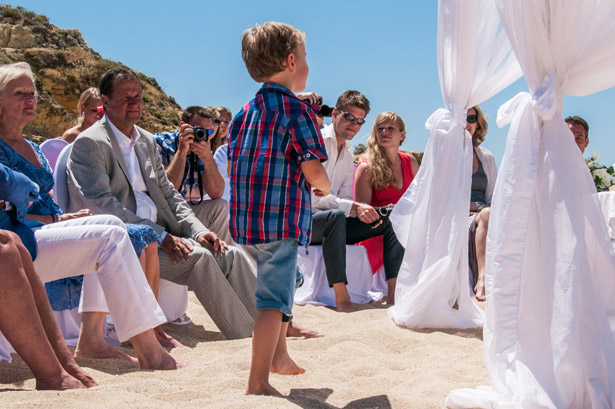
(264, 48)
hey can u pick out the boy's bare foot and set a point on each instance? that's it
(75, 370)
(101, 351)
(286, 366)
(295, 331)
(479, 290)
(62, 382)
(263, 388)
(159, 361)
(166, 340)
(345, 306)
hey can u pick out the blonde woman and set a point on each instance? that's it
(382, 178)
(87, 107)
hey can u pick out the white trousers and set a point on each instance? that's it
(100, 245)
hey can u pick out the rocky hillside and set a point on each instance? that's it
(64, 67)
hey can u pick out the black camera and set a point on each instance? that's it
(201, 134)
(325, 110)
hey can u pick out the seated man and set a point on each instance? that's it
(580, 129)
(192, 170)
(338, 220)
(115, 168)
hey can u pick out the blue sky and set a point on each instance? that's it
(387, 50)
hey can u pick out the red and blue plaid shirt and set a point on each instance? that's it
(269, 138)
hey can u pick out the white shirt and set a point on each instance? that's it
(221, 159)
(145, 205)
(340, 170)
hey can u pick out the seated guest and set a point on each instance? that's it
(96, 244)
(191, 168)
(484, 173)
(26, 320)
(115, 168)
(580, 129)
(221, 137)
(381, 180)
(338, 220)
(87, 107)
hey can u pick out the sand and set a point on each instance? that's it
(363, 361)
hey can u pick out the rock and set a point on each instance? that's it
(16, 36)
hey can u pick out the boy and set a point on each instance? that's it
(275, 151)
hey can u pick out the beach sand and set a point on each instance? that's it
(363, 361)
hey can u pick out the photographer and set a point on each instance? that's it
(189, 162)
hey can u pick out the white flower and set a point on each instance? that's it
(595, 156)
(605, 179)
(594, 165)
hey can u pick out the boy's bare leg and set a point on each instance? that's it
(342, 299)
(91, 343)
(265, 337)
(27, 337)
(282, 363)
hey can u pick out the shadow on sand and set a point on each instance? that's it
(316, 399)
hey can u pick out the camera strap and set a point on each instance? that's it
(193, 166)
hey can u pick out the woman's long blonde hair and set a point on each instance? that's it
(85, 98)
(381, 173)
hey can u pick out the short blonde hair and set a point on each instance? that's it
(264, 48)
(10, 72)
(382, 172)
(481, 129)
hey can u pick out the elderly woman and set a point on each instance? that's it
(87, 107)
(71, 244)
(484, 173)
(26, 320)
(381, 180)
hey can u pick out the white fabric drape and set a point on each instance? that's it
(550, 265)
(475, 62)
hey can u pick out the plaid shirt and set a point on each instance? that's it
(269, 138)
(167, 148)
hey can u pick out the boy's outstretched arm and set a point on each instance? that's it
(316, 175)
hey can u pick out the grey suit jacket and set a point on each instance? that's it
(97, 179)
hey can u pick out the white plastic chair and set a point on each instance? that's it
(51, 148)
(315, 288)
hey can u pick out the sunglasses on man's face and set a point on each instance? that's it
(472, 119)
(349, 117)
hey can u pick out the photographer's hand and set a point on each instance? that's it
(185, 139)
(310, 97)
(177, 166)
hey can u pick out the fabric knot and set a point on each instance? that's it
(447, 118)
(545, 99)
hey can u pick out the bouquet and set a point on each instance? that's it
(603, 177)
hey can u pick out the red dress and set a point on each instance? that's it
(383, 197)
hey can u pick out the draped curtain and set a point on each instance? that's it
(475, 61)
(550, 265)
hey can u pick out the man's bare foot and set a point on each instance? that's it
(345, 306)
(60, 383)
(295, 331)
(286, 366)
(75, 370)
(160, 361)
(101, 351)
(166, 340)
(263, 388)
(479, 290)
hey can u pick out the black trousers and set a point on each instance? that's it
(334, 230)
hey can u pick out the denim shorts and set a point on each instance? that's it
(276, 274)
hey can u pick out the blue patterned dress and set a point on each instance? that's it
(64, 293)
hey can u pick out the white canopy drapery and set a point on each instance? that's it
(550, 265)
(475, 61)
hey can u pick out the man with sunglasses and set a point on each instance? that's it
(337, 219)
(192, 170)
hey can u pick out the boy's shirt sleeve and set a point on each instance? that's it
(306, 138)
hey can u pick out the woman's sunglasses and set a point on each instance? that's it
(472, 119)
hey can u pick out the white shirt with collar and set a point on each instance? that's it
(340, 170)
(145, 205)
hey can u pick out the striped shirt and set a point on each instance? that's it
(269, 138)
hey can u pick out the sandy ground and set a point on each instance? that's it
(363, 361)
